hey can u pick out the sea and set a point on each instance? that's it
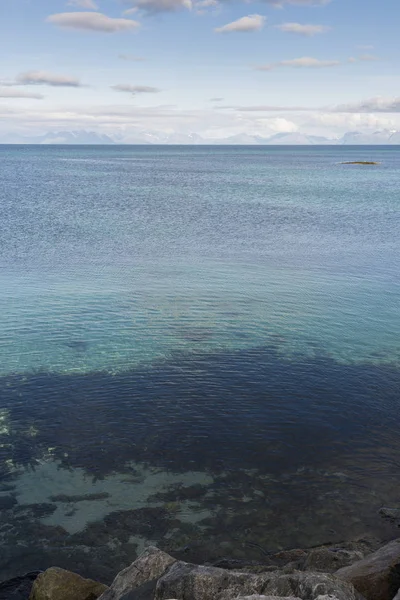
(199, 350)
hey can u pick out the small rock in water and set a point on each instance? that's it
(360, 162)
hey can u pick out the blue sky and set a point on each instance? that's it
(123, 66)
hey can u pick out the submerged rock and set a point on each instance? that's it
(146, 569)
(58, 584)
(18, 588)
(77, 345)
(377, 576)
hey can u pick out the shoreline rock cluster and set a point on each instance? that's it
(350, 571)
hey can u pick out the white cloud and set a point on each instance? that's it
(131, 11)
(135, 89)
(13, 93)
(131, 57)
(43, 78)
(308, 30)
(216, 99)
(92, 21)
(90, 4)
(157, 6)
(244, 24)
(306, 62)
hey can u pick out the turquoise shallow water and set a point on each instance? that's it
(129, 250)
(173, 317)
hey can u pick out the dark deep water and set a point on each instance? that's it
(199, 349)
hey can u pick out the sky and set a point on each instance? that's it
(217, 68)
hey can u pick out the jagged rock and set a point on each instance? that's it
(143, 573)
(377, 576)
(329, 560)
(310, 586)
(58, 584)
(193, 582)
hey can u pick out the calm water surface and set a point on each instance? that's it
(199, 348)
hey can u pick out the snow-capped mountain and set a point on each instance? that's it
(381, 137)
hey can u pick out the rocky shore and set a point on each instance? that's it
(358, 570)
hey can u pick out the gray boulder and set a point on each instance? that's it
(193, 582)
(377, 576)
(139, 579)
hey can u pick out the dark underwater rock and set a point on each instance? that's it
(7, 502)
(77, 345)
(18, 588)
(79, 498)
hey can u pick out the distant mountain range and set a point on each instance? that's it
(382, 137)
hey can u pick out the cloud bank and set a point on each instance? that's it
(372, 105)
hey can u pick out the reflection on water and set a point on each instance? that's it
(209, 455)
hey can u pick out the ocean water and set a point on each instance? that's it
(199, 348)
